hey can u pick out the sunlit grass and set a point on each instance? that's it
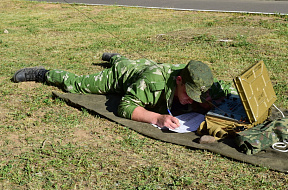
(46, 144)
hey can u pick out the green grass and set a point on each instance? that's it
(46, 144)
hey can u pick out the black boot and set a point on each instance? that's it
(108, 56)
(30, 74)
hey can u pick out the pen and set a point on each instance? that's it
(169, 112)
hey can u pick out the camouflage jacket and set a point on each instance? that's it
(144, 83)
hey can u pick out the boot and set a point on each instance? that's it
(30, 74)
(108, 56)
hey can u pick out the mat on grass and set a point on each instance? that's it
(107, 106)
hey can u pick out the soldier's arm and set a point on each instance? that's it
(138, 96)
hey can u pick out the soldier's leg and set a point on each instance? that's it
(120, 61)
(106, 81)
(99, 83)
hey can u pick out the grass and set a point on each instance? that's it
(46, 144)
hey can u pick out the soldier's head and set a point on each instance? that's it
(196, 78)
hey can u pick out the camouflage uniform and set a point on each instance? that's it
(141, 83)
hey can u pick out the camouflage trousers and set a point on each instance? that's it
(74, 83)
(110, 80)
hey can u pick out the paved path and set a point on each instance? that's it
(251, 6)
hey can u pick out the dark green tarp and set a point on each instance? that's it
(107, 106)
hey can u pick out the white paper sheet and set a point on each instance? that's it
(189, 122)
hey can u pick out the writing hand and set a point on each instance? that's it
(167, 121)
(143, 115)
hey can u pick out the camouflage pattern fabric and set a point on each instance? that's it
(198, 78)
(141, 82)
(262, 136)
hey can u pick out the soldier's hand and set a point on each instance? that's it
(143, 115)
(168, 121)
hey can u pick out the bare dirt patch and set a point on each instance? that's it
(50, 6)
(212, 33)
(81, 135)
(29, 85)
(3, 112)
